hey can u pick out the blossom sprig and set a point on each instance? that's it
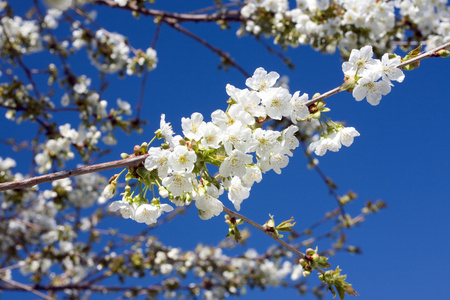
(111, 52)
(234, 144)
(371, 78)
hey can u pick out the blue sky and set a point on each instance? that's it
(401, 156)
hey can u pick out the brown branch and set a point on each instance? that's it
(331, 189)
(271, 49)
(25, 183)
(280, 241)
(219, 52)
(230, 16)
(431, 53)
(20, 286)
(94, 288)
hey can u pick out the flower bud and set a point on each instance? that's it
(443, 53)
(137, 150)
(109, 190)
(144, 147)
(155, 201)
(124, 155)
(163, 192)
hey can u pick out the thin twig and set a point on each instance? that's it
(286, 60)
(216, 7)
(431, 53)
(325, 179)
(25, 287)
(257, 226)
(219, 52)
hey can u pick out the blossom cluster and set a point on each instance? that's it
(110, 52)
(22, 35)
(367, 78)
(347, 24)
(231, 141)
(373, 77)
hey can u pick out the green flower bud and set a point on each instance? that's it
(443, 53)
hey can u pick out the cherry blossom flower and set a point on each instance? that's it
(276, 101)
(299, 110)
(158, 159)
(193, 128)
(331, 143)
(371, 89)
(234, 164)
(181, 159)
(237, 192)
(149, 213)
(358, 62)
(261, 81)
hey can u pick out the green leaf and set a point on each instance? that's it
(412, 54)
(286, 225)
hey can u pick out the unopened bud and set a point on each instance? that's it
(320, 104)
(443, 53)
(137, 150)
(144, 147)
(349, 84)
(163, 192)
(155, 201)
(124, 155)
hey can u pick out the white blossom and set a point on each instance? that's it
(208, 206)
(276, 101)
(234, 164)
(299, 110)
(182, 159)
(261, 81)
(371, 89)
(238, 192)
(149, 213)
(158, 159)
(194, 127)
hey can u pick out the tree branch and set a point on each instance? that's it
(219, 52)
(257, 226)
(20, 286)
(232, 15)
(25, 183)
